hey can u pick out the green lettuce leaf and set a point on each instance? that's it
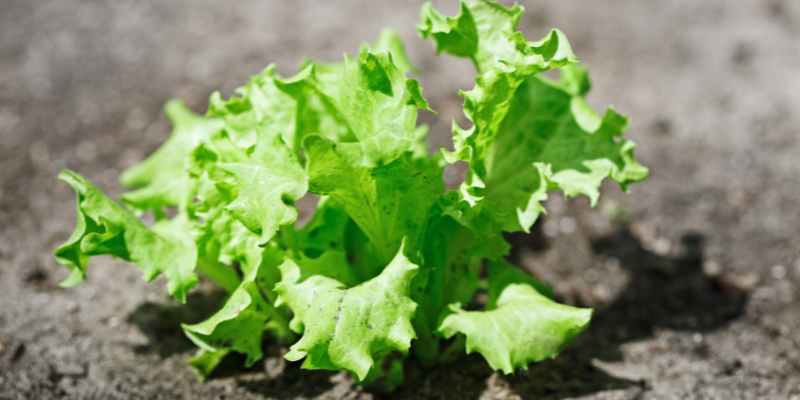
(388, 202)
(326, 231)
(372, 97)
(162, 180)
(205, 361)
(486, 32)
(104, 227)
(264, 186)
(390, 42)
(238, 326)
(248, 312)
(501, 274)
(529, 135)
(349, 328)
(450, 274)
(262, 105)
(524, 327)
(360, 103)
(254, 162)
(551, 139)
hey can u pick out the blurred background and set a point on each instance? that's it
(694, 274)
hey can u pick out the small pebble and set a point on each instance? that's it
(711, 268)
(551, 228)
(778, 272)
(274, 367)
(567, 225)
(661, 246)
(601, 294)
(70, 369)
(742, 282)
(72, 308)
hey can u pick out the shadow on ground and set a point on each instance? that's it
(161, 323)
(663, 292)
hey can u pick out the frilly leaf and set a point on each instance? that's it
(162, 179)
(104, 227)
(349, 328)
(525, 327)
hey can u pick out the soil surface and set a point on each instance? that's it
(694, 274)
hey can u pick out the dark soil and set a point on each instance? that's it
(694, 274)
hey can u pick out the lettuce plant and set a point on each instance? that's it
(390, 258)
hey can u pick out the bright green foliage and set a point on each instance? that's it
(382, 266)
(263, 185)
(524, 327)
(529, 134)
(389, 202)
(103, 227)
(574, 152)
(162, 180)
(348, 328)
(246, 310)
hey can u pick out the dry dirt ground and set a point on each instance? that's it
(694, 274)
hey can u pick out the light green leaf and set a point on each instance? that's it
(525, 327)
(377, 103)
(162, 180)
(247, 313)
(316, 115)
(551, 139)
(332, 264)
(390, 42)
(450, 274)
(501, 274)
(350, 101)
(349, 328)
(528, 135)
(222, 242)
(455, 35)
(486, 32)
(238, 326)
(103, 227)
(205, 361)
(325, 232)
(264, 186)
(262, 105)
(453, 252)
(388, 202)
(254, 162)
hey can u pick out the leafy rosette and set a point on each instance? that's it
(383, 266)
